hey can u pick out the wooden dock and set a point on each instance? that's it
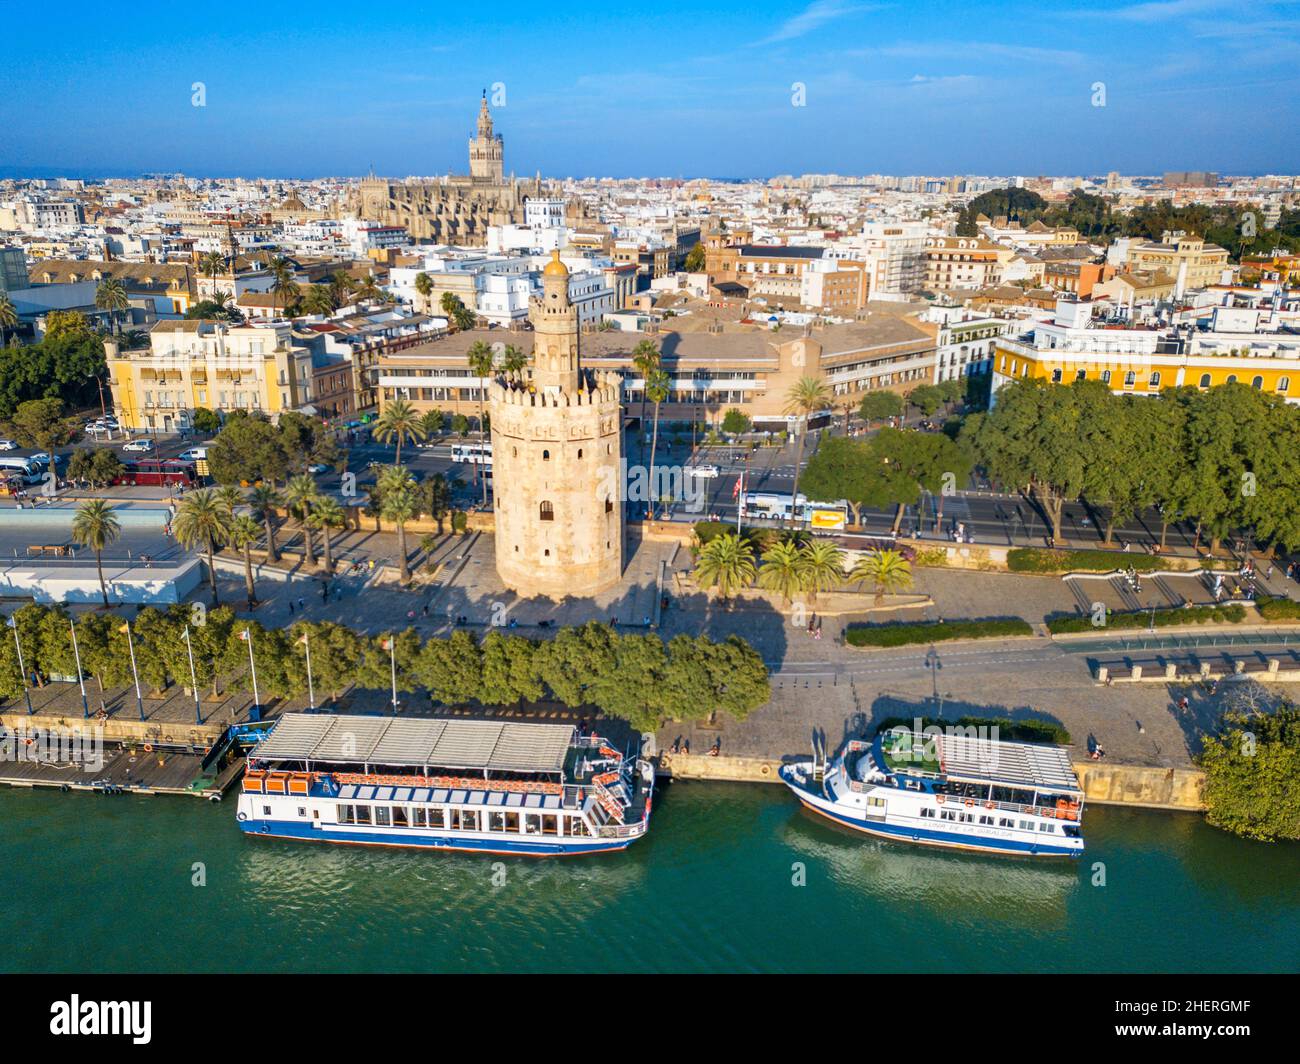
(125, 770)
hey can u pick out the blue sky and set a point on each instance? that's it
(675, 89)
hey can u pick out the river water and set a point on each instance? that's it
(732, 877)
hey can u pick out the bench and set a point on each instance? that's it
(57, 549)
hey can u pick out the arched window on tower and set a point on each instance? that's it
(547, 511)
(546, 456)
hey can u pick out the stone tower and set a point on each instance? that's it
(486, 155)
(557, 451)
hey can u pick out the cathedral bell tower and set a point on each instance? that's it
(486, 155)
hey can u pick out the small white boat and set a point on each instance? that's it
(955, 790)
(479, 785)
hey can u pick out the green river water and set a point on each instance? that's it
(93, 883)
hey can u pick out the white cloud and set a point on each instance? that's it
(816, 15)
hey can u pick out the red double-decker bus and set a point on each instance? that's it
(159, 471)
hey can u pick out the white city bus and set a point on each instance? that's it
(776, 506)
(31, 472)
(472, 453)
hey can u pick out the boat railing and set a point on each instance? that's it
(1061, 810)
(621, 831)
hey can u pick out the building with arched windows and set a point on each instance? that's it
(557, 460)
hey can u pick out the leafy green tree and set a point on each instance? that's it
(736, 422)
(510, 670)
(695, 259)
(336, 655)
(432, 421)
(40, 423)
(450, 669)
(880, 406)
(248, 449)
(202, 520)
(205, 420)
(96, 526)
(1251, 767)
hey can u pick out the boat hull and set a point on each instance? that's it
(495, 844)
(921, 836)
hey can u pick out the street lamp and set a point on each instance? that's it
(27, 694)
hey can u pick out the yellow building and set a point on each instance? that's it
(1138, 361)
(191, 364)
(1188, 259)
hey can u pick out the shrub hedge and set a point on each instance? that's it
(1166, 618)
(1042, 560)
(899, 635)
(1278, 609)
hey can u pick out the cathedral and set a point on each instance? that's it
(456, 208)
(557, 451)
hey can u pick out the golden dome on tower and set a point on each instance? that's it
(555, 268)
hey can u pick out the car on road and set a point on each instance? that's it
(709, 471)
(8, 445)
(139, 445)
(319, 467)
(194, 454)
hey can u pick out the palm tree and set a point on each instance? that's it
(397, 504)
(513, 361)
(284, 289)
(399, 422)
(657, 385)
(8, 315)
(424, 288)
(203, 519)
(806, 396)
(230, 497)
(823, 566)
(340, 287)
(725, 563)
(327, 514)
(302, 494)
(244, 532)
(111, 296)
(783, 569)
(266, 501)
(213, 263)
(318, 300)
(888, 570)
(94, 526)
(481, 365)
(646, 358)
(369, 289)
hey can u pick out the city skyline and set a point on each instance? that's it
(829, 86)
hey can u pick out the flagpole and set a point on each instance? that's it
(392, 658)
(130, 645)
(27, 694)
(194, 682)
(311, 690)
(252, 668)
(76, 653)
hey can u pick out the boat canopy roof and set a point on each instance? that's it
(978, 760)
(413, 743)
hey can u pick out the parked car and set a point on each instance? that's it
(194, 454)
(8, 445)
(709, 471)
(139, 445)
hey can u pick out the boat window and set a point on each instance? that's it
(469, 820)
(302, 810)
(512, 822)
(344, 814)
(381, 815)
(437, 818)
(496, 821)
(532, 824)
(1045, 826)
(419, 816)
(266, 810)
(550, 824)
(400, 819)
(1026, 825)
(363, 814)
(927, 812)
(1006, 822)
(453, 819)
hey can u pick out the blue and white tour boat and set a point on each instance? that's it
(480, 785)
(954, 790)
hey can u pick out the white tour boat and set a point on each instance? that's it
(949, 790)
(487, 786)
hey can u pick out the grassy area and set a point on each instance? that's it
(900, 635)
(1278, 609)
(1042, 560)
(1020, 731)
(1166, 618)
